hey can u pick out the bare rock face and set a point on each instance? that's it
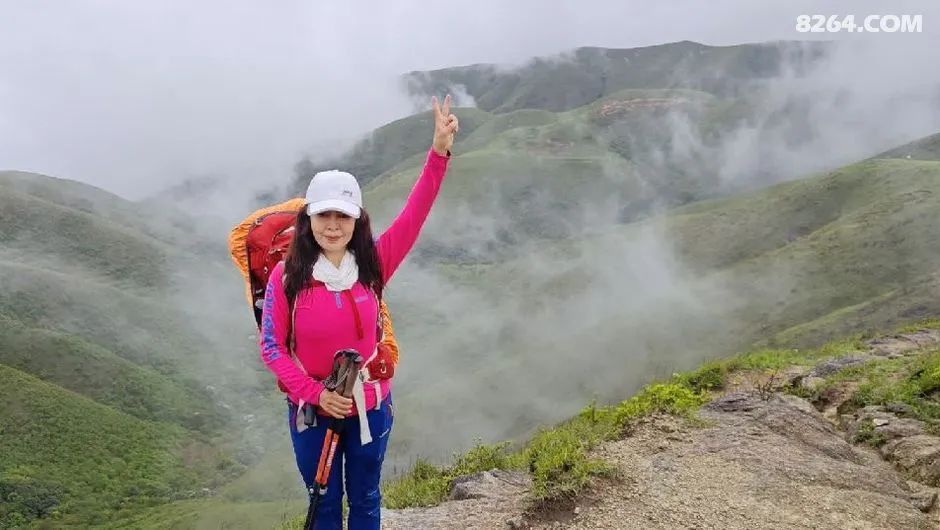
(817, 375)
(924, 499)
(878, 425)
(904, 343)
(904, 442)
(487, 500)
(810, 448)
(832, 366)
(490, 484)
(918, 456)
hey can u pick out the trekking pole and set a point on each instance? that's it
(346, 364)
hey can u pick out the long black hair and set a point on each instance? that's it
(304, 252)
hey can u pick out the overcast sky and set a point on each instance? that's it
(132, 96)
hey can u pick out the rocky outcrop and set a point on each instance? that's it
(757, 464)
(754, 460)
(492, 499)
(904, 343)
(893, 347)
(905, 442)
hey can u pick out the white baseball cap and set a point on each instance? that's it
(334, 191)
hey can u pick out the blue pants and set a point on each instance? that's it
(362, 465)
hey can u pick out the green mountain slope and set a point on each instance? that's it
(92, 327)
(95, 372)
(843, 238)
(64, 454)
(586, 74)
(389, 145)
(142, 328)
(924, 149)
(36, 226)
(849, 237)
(536, 174)
(795, 264)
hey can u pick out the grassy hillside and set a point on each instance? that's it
(586, 74)
(860, 234)
(145, 329)
(642, 127)
(211, 514)
(855, 235)
(110, 249)
(793, 265)
(68, 458)
(95, 372)
(621, 146)
(924, 149)
(534, 174)
(58, 203)
(106, 406)
(387, 146)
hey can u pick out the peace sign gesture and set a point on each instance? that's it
(445, 126)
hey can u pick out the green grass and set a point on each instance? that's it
(85, 459)
(97, 373)
(126, 256)
(428, 485)
(212, 514)
(102, 411)
(557, 458)
(867, 434)
(909, 380)
(713, 375)
(912, 381)
(927, 323)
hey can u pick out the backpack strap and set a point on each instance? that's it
(379, 337)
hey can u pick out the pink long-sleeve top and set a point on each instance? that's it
(324, 321)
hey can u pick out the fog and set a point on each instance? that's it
(136, 97)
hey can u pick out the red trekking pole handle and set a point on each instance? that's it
(346, 365)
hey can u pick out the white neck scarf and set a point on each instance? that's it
(337, 279)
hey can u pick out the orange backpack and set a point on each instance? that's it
(260, 241)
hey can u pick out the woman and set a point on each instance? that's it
(333, 276)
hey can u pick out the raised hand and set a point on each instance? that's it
(445, 126)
